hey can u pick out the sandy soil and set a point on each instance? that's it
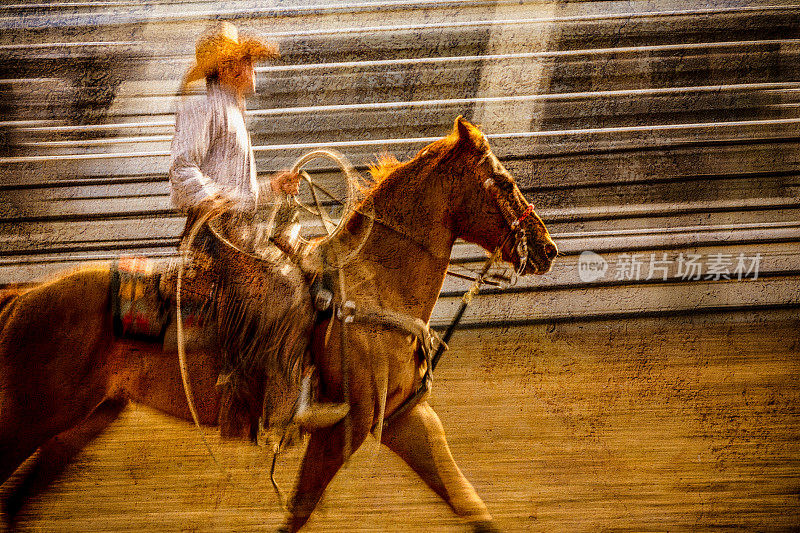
(643, 425)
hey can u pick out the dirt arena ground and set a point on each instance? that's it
(640, 425)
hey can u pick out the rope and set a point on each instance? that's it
(187, 387)
(275, 487)
(348, 205)
(350, 173)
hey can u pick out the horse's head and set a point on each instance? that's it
(491, 209)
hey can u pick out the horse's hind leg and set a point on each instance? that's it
(56, 454)
(20, 435)
(418, 438)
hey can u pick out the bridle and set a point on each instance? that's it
(514, 221)
(516, 229)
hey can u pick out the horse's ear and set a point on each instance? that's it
(466, 132)
(461, 127)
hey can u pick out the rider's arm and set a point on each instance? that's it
(190, 146)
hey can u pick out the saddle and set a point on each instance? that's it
(143, 294)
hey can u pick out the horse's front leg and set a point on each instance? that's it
(418, 438)
(323, 458)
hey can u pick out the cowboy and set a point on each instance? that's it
(212, 163)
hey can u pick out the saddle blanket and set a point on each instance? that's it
(142, 298)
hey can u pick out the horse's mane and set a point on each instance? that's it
(417, 168)
(388, 165)
(383, 167)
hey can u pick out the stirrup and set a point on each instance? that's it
(321, 415)
(314, 415)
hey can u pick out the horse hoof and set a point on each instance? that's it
(485, 526)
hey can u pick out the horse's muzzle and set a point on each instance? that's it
(541, 257)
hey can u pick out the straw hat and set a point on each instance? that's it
(223, 43)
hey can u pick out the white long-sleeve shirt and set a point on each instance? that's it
(211, 151)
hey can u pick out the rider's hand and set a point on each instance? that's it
(217, 202)
(286, 182)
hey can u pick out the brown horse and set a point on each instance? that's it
(64, 376)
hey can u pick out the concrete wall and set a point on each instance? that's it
(656, 134)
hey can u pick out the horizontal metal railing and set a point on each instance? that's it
(689, 92)
(732, 127)
(111, 18)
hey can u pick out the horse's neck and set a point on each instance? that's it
(404, 259)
